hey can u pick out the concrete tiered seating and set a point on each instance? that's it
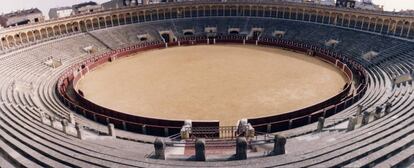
(26, 141)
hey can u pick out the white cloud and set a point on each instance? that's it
(390, 5)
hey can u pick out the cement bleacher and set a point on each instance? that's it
(29, 142)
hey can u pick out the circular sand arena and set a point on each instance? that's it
(212, 82)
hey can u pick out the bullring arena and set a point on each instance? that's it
(225, 83)
(209, 84)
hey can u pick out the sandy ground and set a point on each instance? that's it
(220, 82)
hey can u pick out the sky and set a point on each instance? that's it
(44, 5)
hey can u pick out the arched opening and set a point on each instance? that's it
(256, 34)
(121, 19)
(115, 20)
(62, 28)
(234, 32)
(128, 18)
(50, 31)
(95, 24)
(371, 25)
(43, 33)
(411, 32)
(18, 39)
(188, 33)
(134, 17)
(82, 25)
(108, 20)
(30, 36)
(345, 20)
(166, 37)
(88, 25)
(69, 28)
(11, 41)
(102, 22)
(3, 41)
(24, 37)
(143, 39)
(56, 30)
(36, 35)
(353, 21)
(393, 27)
(377, 27)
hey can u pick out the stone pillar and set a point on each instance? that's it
(200, 150)
(241, 148)
(208, 40)
(159, 147)
(72, 118)
(79, 131)
(244, 41)
(279, 145)
(387, 108)
(214, 41)
(64, 126)
(359, 110)
(52, 120)
(42, 117)
(111, 130)
(365, 118)
(321, 122)
(377, 114)
(351, 123)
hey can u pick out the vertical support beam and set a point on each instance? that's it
(111, 130)
(66, 29)
(402, 29)
(7, 41)
(79, 131)
(72, 118)
(362, 23)
(117, 19)
(321, 122)
(303, 15)
(64, 126)
(52, 121)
